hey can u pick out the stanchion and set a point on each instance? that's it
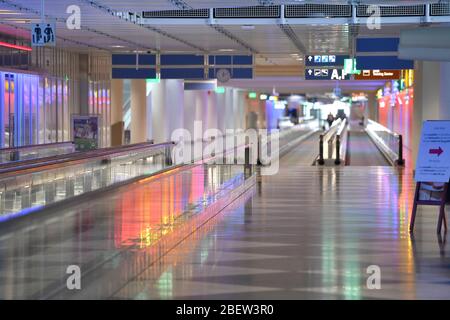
(400, 160)
(321, 161)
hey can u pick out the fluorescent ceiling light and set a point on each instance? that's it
(247, 27)
(226, 50)
(13, 46)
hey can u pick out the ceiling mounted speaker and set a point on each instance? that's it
(429, 44)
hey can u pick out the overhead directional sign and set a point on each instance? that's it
(383, 62)
(325, 60)
(326, 74)
(43, 34)
(133, 66)
(377, 44)
(433, 160)
(379, 75)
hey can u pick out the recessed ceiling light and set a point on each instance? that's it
(226, 50)
(117, 46)
(248, 27)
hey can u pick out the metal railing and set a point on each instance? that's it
(388, 142)
(8, 155)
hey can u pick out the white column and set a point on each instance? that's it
(220, 99)
(116, 112)
(444, 112)
(212, 111)
(167, 109)
(431, 97)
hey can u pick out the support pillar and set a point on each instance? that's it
(431, 97)
(167, 109)
(117, 124)
(138, 126)
(372, 106)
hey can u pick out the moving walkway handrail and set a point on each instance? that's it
(31, 152)
(38, 146)
(328, 137)
(86, 157)
(17, 165)
(341, 136)
(393, 152)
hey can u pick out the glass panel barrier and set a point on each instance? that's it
(8, 155)
(390, 143)
(46, 185)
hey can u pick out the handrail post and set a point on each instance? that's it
(321, 161)
(400, 160)
(338, 150)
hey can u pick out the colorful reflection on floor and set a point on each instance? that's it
(115, 236)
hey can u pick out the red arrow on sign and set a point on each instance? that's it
(436, 151)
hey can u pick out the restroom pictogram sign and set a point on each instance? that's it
(43, 34)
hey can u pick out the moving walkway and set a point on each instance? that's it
(372, 145)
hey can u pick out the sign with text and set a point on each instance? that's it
(379, 75)
(43, 34)
(326, 74)
(322, 60)
(433, 160)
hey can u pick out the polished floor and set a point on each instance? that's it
(308, 232)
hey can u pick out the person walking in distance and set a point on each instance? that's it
(330, 119)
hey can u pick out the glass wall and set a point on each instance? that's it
(34, 109)
(100, 104)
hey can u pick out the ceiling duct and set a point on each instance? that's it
(393, 11)
(440, 9)
(318, 11)
(248, 12)
(165, 14)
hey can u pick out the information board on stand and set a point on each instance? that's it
(433, 169)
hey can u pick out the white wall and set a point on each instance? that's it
(167, 104)
(431, 97)
(169, 107)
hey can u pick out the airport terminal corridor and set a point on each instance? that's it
(206, 153)
(330, 231)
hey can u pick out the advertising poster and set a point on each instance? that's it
(85, 132)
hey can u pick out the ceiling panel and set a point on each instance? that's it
(157, 5)
(287, 85)
(264, 38)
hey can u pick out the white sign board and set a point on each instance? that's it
(43, 34)
(433, 160)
